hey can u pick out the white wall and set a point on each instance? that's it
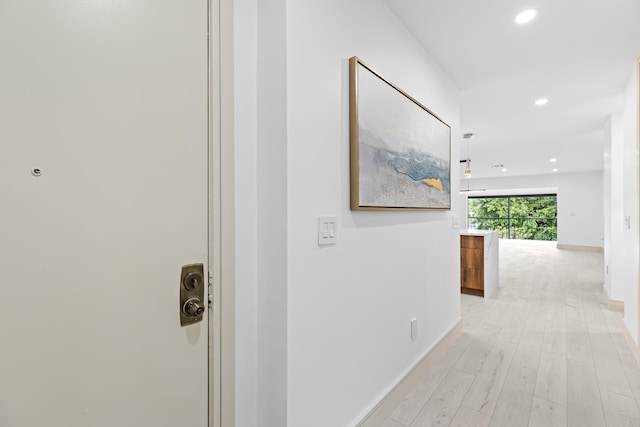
(606, 199)
(349, 306)
(631, 241)
(580, 195)
(332, 331)
(580, 212)
(613, 174)
(273, 228)
(245, 40)
(260, 91)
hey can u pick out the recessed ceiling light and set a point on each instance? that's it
(542, 101)
(504, 169)
(526, 16)
(553, 160)
(555, 170)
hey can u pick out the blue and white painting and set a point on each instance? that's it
(403, 150)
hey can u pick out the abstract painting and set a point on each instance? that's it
(400, 150)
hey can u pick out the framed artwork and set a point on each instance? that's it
(400, 150)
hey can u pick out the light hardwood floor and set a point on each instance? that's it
(545, 351)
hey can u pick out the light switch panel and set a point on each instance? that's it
(327, 230)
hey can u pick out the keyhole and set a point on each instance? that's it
(192, 281)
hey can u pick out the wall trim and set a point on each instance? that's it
(616, 305)
(216, 387)
(636, 347)
(580, 248)
(224, 214)
(613, 303)
(389, 402)
(632, 345)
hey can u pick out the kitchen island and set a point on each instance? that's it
(479, 262)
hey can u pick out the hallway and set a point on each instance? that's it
(546, 351)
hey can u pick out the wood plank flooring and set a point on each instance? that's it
(545, 351)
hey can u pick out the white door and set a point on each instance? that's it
(108, 100)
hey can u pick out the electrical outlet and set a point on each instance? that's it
(414, 329)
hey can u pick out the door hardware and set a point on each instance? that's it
(192, 280)
(193, 307)
(192, 287)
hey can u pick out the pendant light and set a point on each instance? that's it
(467, 166)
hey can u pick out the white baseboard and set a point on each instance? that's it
(580, 248)
(632, 344)
(616, 305)
(381, 411)
(613, 304)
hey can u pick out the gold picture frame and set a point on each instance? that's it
(400, 150)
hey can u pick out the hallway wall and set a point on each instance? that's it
(350, 306)
(613, 178)
(631, 240)
(332, 330)
(245, 180)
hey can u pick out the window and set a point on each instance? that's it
(516, 217)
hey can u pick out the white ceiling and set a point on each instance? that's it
(577, 53)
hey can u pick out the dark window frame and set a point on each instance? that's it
(509, 216)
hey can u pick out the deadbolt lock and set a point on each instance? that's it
(192, 288)
(192, 280)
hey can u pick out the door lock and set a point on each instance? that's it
(193, 308)
(192, 287)
(192, 280)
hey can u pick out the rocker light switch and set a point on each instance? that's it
(327, 230)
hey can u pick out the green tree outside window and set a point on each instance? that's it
(516, 217)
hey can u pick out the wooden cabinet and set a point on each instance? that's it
(472, 265)
(479, 253)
